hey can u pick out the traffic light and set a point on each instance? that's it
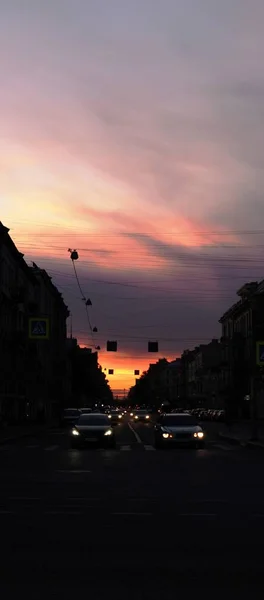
(153, 347)
(110, 371)
(111, 346)
(136, 372)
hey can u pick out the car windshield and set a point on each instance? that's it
(179, 420)
(141, 412)
(93, 420)
(71, 413)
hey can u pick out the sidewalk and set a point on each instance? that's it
(14, 432)
(241, 434)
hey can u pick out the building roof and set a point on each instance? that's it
(174, 363)
(245, 292)
(17, 255)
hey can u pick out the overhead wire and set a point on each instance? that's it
(181, 259)
(84, 299)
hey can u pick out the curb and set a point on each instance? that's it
(237, 442)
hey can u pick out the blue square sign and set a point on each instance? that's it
(260, 353)
(39, 328)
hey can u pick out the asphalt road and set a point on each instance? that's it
(132, 522)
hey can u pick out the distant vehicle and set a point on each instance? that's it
(172, 429)
(141, 415)
(70, 416)
(115, 416)
(93, 429)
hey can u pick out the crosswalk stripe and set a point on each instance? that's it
(125, 448)
(50, 448)
(149, 447)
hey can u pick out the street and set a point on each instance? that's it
(133, 522)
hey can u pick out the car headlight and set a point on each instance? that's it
(131, 414)
(120, 416)
(75, 432)
(165, 435)
(199, 434)
(136, 417)
(108, 432)
(109, 416)
(147, 416)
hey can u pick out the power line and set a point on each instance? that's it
(82, 294)
(141, 233)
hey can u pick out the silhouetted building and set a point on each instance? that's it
(33, 368)
(52, 351)
(242, 326)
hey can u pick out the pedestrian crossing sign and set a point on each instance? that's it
(39, 328)
(260, 353)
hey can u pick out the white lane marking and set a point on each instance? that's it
(149, 448)
(125, 448)
(73, 471)
(134, 514)
(139, 441)
(51, 448)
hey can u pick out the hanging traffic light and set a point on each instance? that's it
(136, 372)
(111, 346)
(95, 329)
(110, 371)
(74, 254)
(88, 302)
(153, 347)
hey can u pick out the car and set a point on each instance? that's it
(115, 416)
(181, 428)
(93, 429)
(69, 416)
(85, 411)
(141, 415)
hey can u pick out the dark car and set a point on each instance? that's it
(93, 429)
(141, 415)
(70, 416)
(178, 429)
(115, 416)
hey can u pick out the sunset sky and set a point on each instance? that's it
(134, 132)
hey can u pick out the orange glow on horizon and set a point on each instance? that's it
(124, 366)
